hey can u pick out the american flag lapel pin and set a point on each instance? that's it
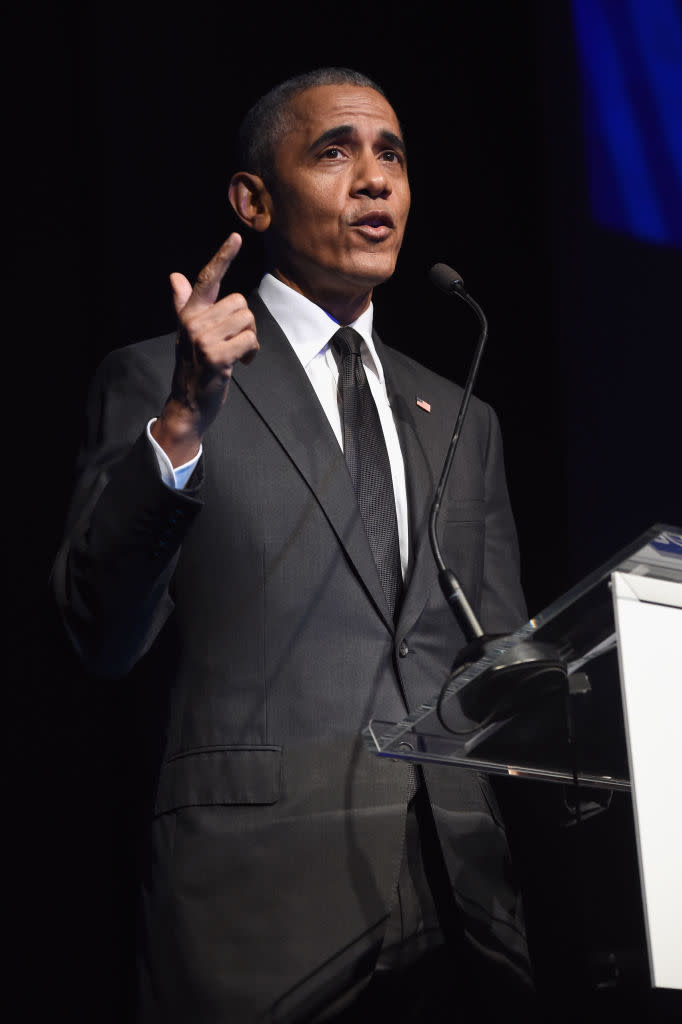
(423, 404)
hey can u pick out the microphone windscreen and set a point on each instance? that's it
(445, 278)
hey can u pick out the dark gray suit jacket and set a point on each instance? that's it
(276, 837)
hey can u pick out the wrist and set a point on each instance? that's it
(179, 431)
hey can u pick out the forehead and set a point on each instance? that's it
(322, 107)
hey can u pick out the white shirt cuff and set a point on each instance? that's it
(176, 478)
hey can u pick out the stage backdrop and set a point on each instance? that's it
(544, 152)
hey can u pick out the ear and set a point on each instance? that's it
(251, 200)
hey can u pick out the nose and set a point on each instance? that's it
(371, 178)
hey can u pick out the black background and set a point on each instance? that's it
(124, 128)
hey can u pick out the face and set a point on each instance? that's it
(340, 195)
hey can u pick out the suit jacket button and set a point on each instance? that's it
(403, 650)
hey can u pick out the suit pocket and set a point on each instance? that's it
(462, 535)
(463, 510)
(220, 775)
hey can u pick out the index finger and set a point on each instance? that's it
(207, 284)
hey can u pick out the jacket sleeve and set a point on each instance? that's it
(503, 607)
(125, 527)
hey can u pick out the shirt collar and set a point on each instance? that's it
(308, 327)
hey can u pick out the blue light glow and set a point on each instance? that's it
(630, 62)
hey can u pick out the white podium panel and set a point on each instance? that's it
(648, 615)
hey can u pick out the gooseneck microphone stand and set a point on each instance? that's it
(522, 672)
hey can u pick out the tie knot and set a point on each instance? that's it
(345, 341)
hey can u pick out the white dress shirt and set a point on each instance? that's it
(309, 330)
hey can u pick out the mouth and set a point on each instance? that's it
(376, 225)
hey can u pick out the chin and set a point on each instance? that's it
(371, 271)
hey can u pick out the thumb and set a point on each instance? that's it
(182, 290)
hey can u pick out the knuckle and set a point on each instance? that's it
(205, 275)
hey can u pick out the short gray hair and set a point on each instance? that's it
(267, 120)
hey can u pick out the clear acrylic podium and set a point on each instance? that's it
(616, 723)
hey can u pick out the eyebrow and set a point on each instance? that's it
(344, 131)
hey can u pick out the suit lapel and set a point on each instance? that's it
(421, 439)
(278, 388)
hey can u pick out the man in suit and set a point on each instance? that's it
(221, 552)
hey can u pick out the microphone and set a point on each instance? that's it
(522, 672)
(445, 278)
(449, 281)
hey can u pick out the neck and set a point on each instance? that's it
(344, 308)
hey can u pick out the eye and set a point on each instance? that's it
(331, 153)
(391, 156)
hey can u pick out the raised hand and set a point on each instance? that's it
(213, 335)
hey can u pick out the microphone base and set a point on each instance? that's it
(521, 677)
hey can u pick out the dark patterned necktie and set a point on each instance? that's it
(366, 456)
